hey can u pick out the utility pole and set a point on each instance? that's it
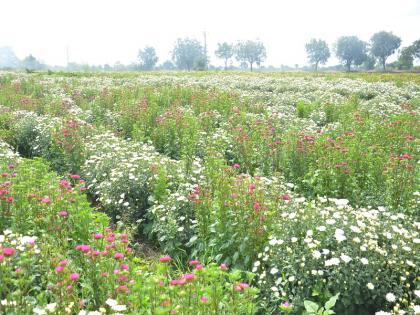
(205, 49)
(67, 55)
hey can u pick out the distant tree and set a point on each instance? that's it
(416, 49)
(406, 58)
(318, 52)
(350, 50)
(187, 53)
(147, 58)
(8, 58)
(168, 65)
(250, 52)
(369, 62)
(224, 51)
(383, 45)
(31, 63)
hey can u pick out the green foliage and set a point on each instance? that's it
(318, 52)
(383, 45)
(251, 52)
(350, 50)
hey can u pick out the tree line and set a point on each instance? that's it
(189, 54)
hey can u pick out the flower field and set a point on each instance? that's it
(209, 194)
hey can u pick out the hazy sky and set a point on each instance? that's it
(106, 31)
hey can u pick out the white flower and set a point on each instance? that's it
(119, 308)
(316, 254)
(416, 309)
(291, 279)
(274, 270)
(39, 311)
(331, 262)
(257, 263)
(111, 302)
(330, 221)
(364, 261)
(339, 235)
(345, 258)
(382, 313)
(390, 297)
(2, 238)
(51, 307)
(94, 313)
(417, 293)
(82, 312)
(370, 286)
(321, 228)
(341, 202)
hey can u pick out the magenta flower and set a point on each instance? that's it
(119, 255)
(63, 213)
(199, 267)
(165, 259)
(189, 277)
(74, 276)
(98, 236)
(204, 299)
(63, 263)
(8, 251)
(74, 176)
(194, 262)
(46, 200)
(59, 269)
(223, 266)
(124, 267)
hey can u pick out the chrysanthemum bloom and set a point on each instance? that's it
(98, 236)
(18, 270)
(119, 255)
(74, 176)
(194, 262)
(189, 277)
(69, 287)
(74, 276)
(8, 251)
(165, 259)
(204, 299)
(59, 269)
(10, 199)
(223, 266)
(46, 200)
(63, 213)
(124, 267)
(199, 267)
(124, 236)
(173, 282)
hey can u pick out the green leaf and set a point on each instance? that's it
(311, 307)
(331, 302)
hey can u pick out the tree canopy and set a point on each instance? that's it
(350, 50)
(147, 58)
(383, 45)
(318, 52)
(250, 52)
(187, 53)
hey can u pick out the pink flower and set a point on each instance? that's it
(63, 262)
(204, 299)
(119, 255)
(173, 282)
(236, 165)
(285, 197)
(124, 236)
(123, 288)
(74, 176)
(98, 236)
(285, 304)
(104, 274)
(223, 266)
(110, 239)
(1, 258)
(74, 276)
(165, 259)
(189, 277)
(69, 287)
(8, 251)
(117, 271)
(10, 199)
(194, 262)
(244, 285)
(84, 248)
(63, 213)
(18, 270)
(46, 200)
(96, 253)
(59, 269)
(199, 267)
(257, 206)
(124, 267)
